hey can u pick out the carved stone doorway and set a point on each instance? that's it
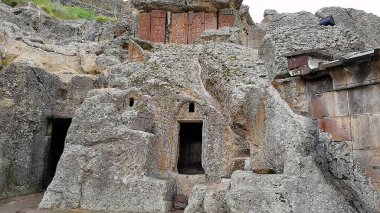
(190, 148)
(57, 130)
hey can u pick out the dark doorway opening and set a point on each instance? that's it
(190, 149)
(57, 133)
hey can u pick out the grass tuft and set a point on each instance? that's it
(102, 19)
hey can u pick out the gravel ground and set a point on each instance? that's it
(29, 204)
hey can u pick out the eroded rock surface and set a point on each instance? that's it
(128, 99)
(108, 159)
(47, 68)
(286, 33)
(364, 24)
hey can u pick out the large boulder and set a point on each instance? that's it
(287, 33)
(47, 68)
(209, 197)
(105, 163)
(281, 193)
(366, 25)
(348, 175)
(29, 97)
(285, 176)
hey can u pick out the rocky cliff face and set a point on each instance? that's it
(130, 99)
(47, 68)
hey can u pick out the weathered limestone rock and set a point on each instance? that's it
(282, 193)
(185, 183)
(348, 175)
(47, 68)
(233, 35)
(209, 197)
(346, 106)
(196, 199)
(165, 74)
(123, 147)
(166, 85)
(171, 5)
(212, 6)
(107, 156)
(294, 92)
(364, 24)
(29, 96)
(287, 39)
(271, 146)
(297, 181)
(269, 12)
(32, 19)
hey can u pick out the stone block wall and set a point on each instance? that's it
(347, 105)
(162, 26)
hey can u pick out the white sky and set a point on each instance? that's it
(257, 7)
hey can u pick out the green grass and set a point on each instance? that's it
(59, 11)
(102, 19)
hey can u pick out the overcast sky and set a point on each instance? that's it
(257, 7)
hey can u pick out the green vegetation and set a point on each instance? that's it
(142, 108)
(102, 19)
(56, 10)
(5, 62)
(282, 198)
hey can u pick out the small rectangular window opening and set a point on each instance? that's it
(131, 102)
(191, 107)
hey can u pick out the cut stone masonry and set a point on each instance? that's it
(344, 98)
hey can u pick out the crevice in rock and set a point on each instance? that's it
(44, 48)
(344, 189)
(101, 33)
(37, 77)
(80, 61)
(350, 195)
(349, 14)
(80, 195)
(209, 98)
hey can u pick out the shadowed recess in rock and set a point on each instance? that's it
(190, 148)
(57, 131)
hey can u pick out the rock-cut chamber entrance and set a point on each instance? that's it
(57, 130)
(190, 148)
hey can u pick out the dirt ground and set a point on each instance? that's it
(29, 204)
